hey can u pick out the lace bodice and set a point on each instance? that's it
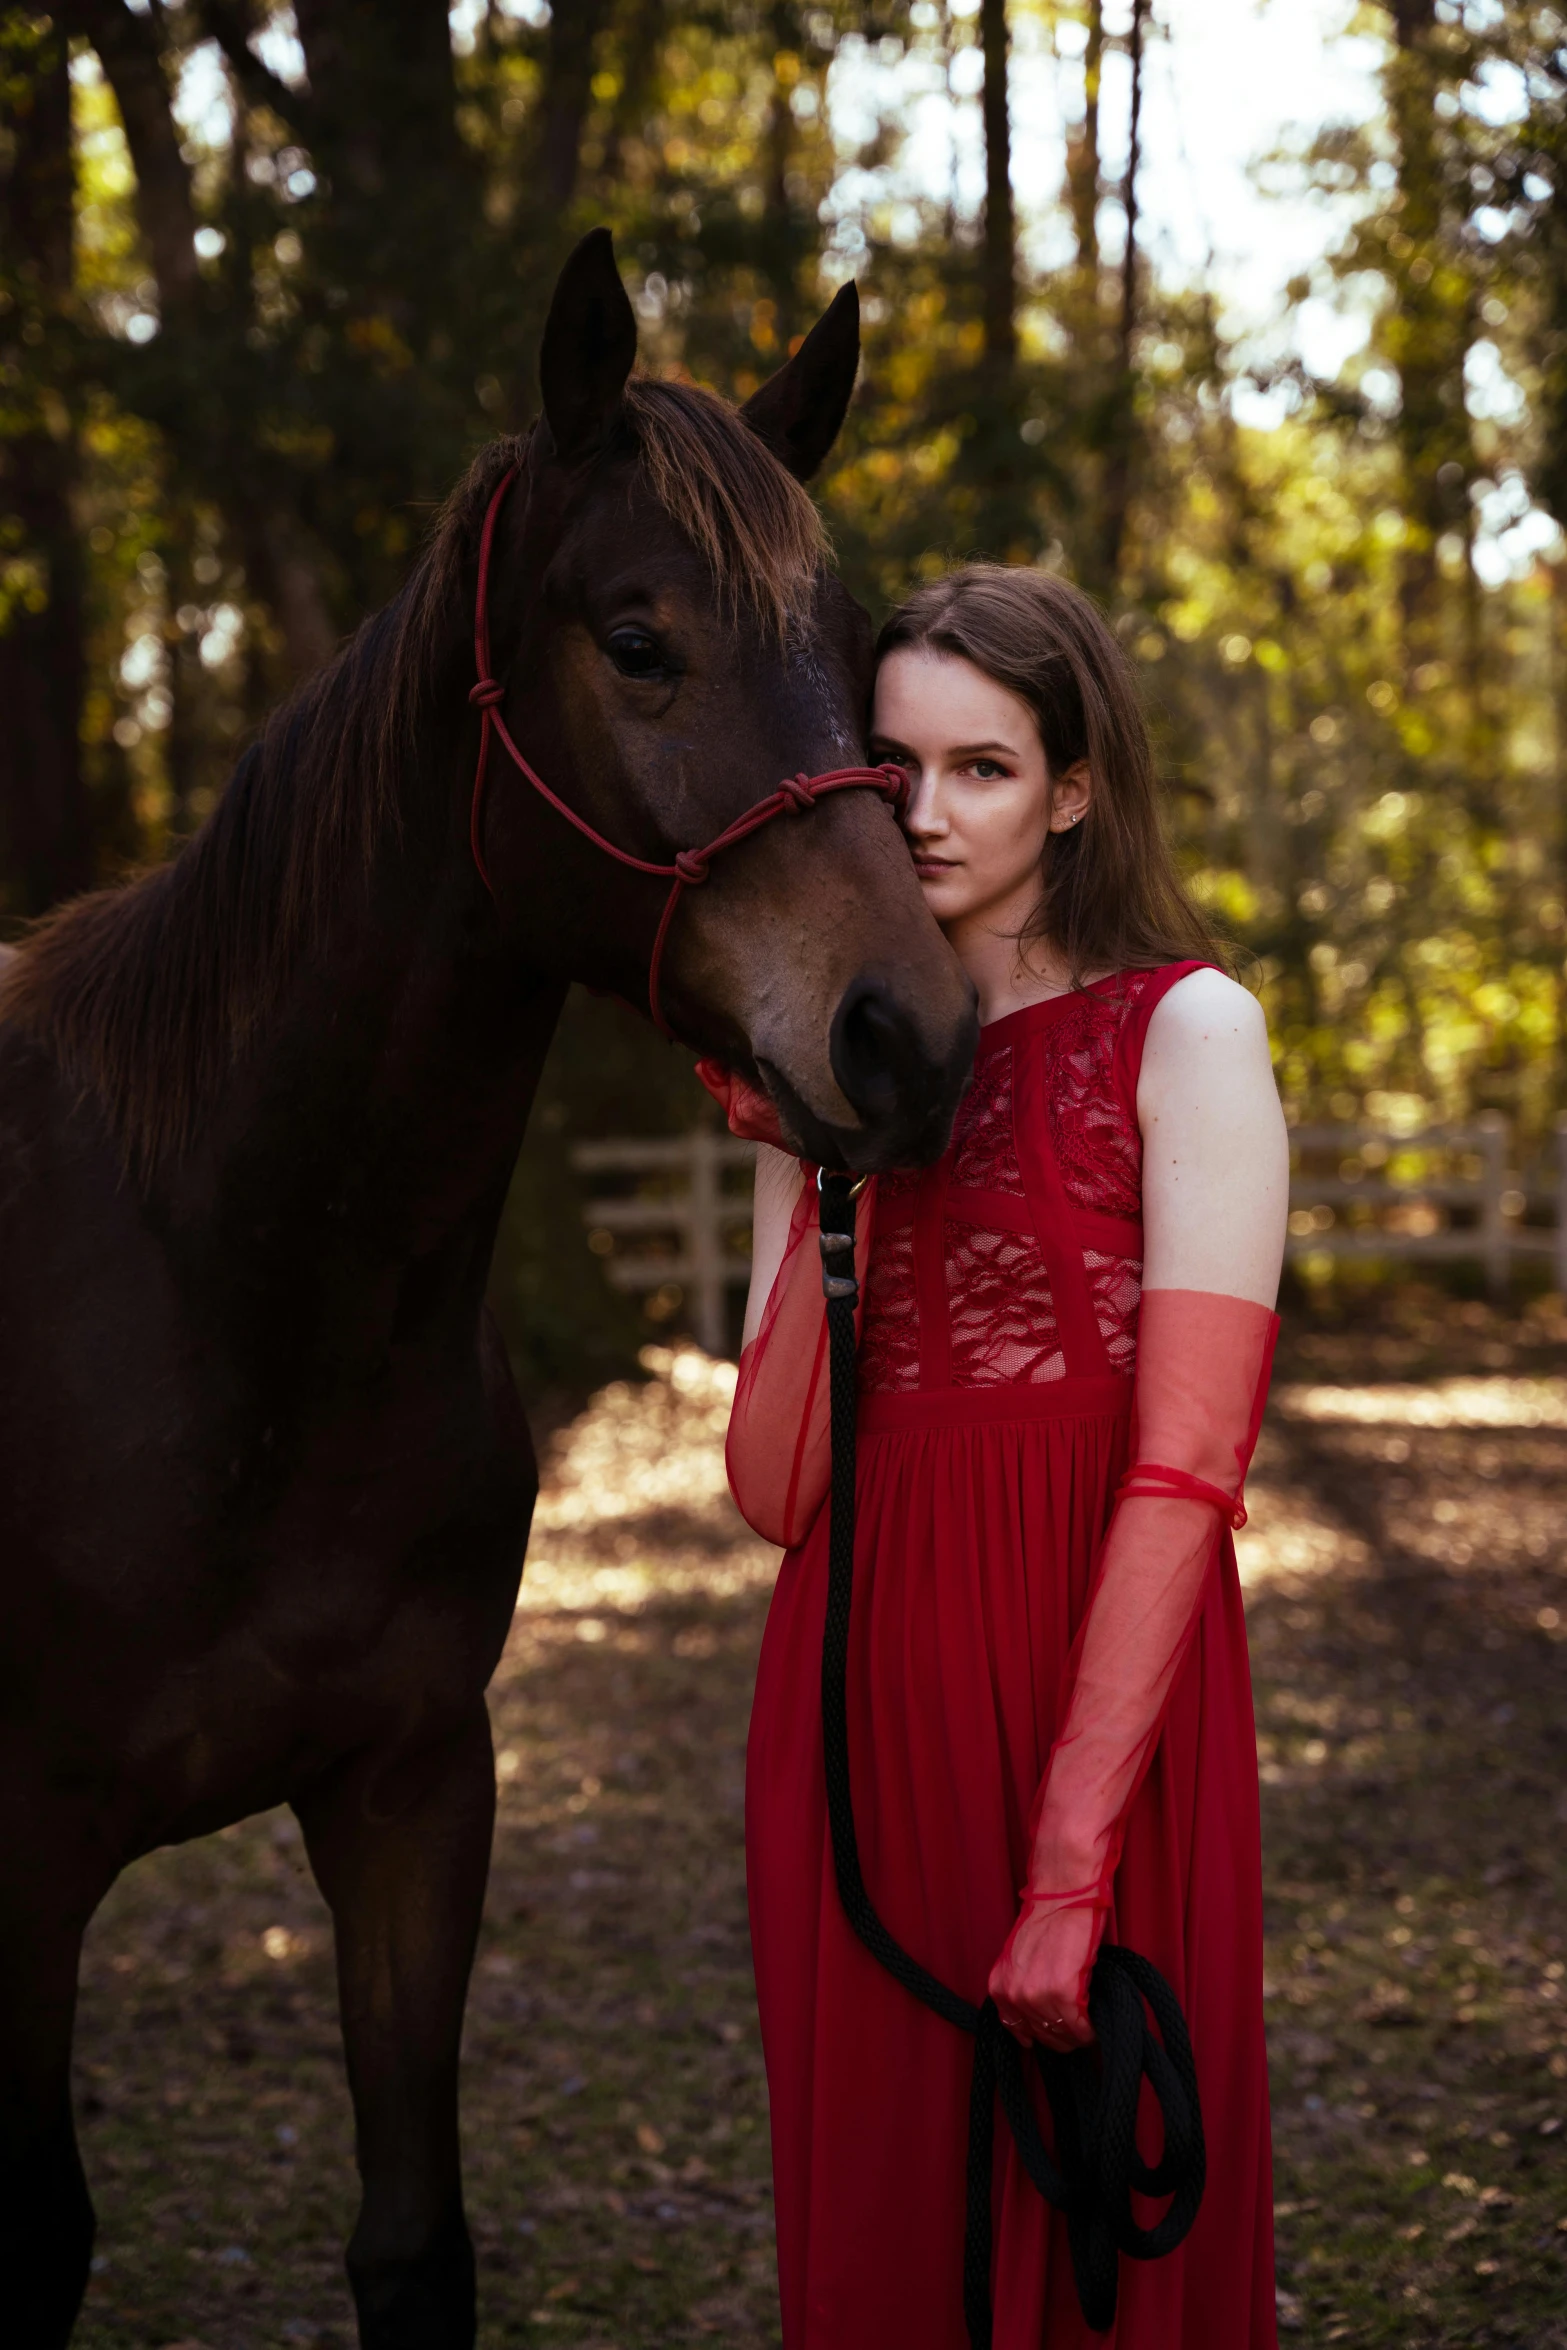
(1018, 1259)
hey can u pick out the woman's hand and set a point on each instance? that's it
(1040, 1981)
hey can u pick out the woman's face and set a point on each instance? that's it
(981, 795)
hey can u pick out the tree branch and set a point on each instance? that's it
(228, 23)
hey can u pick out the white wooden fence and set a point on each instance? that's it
(685, 1213)
(1446, 1194)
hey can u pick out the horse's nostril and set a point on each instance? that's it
(875, 1055)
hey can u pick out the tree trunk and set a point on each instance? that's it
(1082, 159)
(1558, 579)
(1129, 193)
(45, 850)
(1549, 481)
(1419, 330)
(778, 216)
(1000, 257)
(380, 124)
(1122, 405)
(568, 93)
(643, 41)
(383, 97)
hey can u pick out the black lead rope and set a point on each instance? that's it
(1093, 2093)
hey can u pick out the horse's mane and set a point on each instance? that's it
(149, 992)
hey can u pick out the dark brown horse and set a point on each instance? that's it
(264, 1482)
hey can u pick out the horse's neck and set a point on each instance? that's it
(383, 1109)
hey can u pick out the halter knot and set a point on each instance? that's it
(486, 694)
(895, 784)
(691, 867)
(797, 795)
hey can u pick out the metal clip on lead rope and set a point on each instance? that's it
(838, 1279)
(1093, 2093)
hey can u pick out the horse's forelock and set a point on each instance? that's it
(755, 525)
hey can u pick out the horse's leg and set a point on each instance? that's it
(46, 2215)
(401, 1851)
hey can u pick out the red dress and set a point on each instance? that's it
(996, 1370)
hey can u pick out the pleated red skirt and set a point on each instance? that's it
(975, 1546)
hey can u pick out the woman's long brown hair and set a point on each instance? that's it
(1110, 896)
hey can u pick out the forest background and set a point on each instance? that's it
(269, 275)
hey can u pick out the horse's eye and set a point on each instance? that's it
(635, 653)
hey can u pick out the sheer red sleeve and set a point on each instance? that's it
(748, 1113)
(1202, 1379)
(779, 1449)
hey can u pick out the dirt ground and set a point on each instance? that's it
(1406, 1572)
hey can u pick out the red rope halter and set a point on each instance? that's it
(794, 797)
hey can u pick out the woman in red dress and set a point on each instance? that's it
(1048, 1686)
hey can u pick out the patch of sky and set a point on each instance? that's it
(280, 49)
(465, 19)
(1489, 391)
(1228, 85)
(1511, 534)
(203, 105)
(1379, 388)
(1498, 92)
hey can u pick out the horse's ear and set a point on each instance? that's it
(590, 343)
(799, 412)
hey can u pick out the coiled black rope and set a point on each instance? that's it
(1093, 2093)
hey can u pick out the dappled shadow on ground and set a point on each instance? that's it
(1407, 1589)
(1408, 1611)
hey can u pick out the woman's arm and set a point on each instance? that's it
(778, 1181)
(1215, 1196)
(1215, 1148)
(779, 1450)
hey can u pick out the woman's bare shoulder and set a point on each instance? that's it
(1206, 1022)
(1207, 1003)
